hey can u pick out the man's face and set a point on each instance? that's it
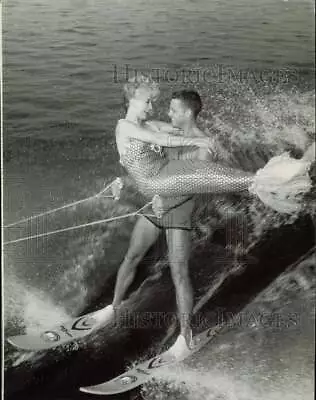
(178, 113)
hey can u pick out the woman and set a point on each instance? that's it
(139, 145)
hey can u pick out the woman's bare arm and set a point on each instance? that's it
(131, 130)
(161, 126)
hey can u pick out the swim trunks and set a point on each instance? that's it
(177, 216)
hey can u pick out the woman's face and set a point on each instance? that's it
(142, 102)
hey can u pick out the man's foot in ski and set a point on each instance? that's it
(103, 316)
(178, 351)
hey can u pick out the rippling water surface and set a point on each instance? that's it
(59, 56)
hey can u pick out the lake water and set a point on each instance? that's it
(60, 57)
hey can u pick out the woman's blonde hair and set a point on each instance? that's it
(140, 81)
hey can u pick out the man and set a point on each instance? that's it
(176, 221)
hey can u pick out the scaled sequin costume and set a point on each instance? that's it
(155, 174)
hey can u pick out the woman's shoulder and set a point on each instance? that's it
(119, 122)
(123, 123)
(120, 126)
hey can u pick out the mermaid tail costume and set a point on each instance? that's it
(155, 174)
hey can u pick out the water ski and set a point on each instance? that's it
(145, 371)
(58, 335)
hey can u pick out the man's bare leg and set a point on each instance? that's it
(143, 237)
(179, 244)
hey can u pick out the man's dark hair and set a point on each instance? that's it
(191, 99)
